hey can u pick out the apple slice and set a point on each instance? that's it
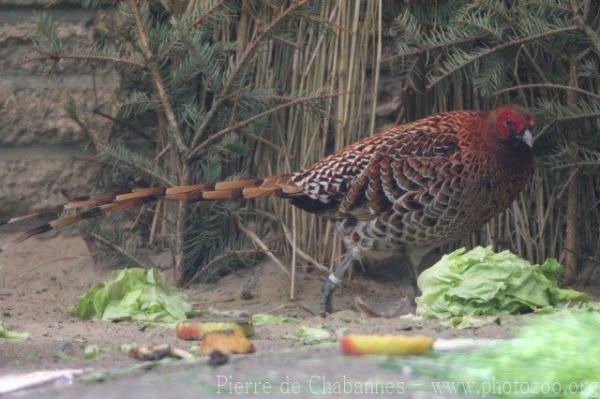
(226, 342)
(194, 331)
(385, 345)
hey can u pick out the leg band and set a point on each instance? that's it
(334, 279)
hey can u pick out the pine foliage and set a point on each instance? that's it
(540, 53)
(209, 88)
(186, 83)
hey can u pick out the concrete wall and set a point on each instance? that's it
(42, 151)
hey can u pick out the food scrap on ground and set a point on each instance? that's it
(227, 342)
(466, 285)
(157, 352)
(193, 331)
(91, 351)
(557, 355)
(310, 335)
(9, 334)
(385, 345)
(134, 294)
(405, 345)
(260, 319)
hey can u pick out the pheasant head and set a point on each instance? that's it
(511, 126)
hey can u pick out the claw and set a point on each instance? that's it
(362, 307)
(402, 307)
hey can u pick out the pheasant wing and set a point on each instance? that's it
(407, 162)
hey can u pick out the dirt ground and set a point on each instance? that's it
(42, 278)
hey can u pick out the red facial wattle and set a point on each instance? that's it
(501, 124)
(509, 124)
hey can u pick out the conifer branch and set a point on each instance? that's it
(549, 86)
(54, 56)
(199, 21)
(485, 52)
(218, 259)
(269, 143)
(135, 161)
(157, 79)
(118, 248)
(260, 244)
(424, 49)
(588, 30)
(121, 122)
(249, 51)
(221, 133)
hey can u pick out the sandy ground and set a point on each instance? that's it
(42, 278)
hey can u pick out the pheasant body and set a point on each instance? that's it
(417, 186)
(408, 189)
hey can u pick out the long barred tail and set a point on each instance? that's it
(278, 186)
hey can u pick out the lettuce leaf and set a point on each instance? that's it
(560, 351)
(134, 294)
(481, 282)
(261, 319)
(309, 335)
(9, 334)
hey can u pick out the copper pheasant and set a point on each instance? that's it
(408, 189)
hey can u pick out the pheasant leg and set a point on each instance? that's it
(414, 277)
(332, 282)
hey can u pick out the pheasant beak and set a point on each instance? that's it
(527, 137)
